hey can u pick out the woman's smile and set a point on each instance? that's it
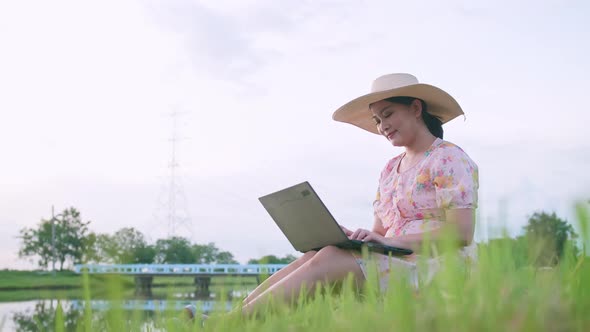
(390, 135)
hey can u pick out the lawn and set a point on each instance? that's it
(494, 295)
(17, 280)
(32, 285)
(498, 293)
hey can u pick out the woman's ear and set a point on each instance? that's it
(416, 107)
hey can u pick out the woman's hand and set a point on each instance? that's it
(346, 231)
(366, 236)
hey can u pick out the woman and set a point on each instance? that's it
(426, 190)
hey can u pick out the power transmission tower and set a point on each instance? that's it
(175, 202)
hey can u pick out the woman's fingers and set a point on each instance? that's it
(370, 237)
(360, 234)
(347, 231)
(374, 237)
(355, 235)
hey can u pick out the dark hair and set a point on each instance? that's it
(433, 123)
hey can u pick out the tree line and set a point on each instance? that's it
(543, 243)
(546, 239)
(68, 239)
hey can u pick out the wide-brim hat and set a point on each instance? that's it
(439, 103)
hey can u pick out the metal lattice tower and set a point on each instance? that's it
(177, 216)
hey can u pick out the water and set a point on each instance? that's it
(38, 315)
(9, 309)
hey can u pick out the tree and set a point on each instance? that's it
(144, 255)
(125, 246)
(105, 248)
(209, 254)
(174, 250)
(71, 242)
(547, 236)
(91, 253)
(225, 257)
(205, 253)
(272, 259)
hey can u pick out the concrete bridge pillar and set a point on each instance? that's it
(143, 285)
(202, 284)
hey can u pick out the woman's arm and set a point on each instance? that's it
(458, 221)
(378, 226)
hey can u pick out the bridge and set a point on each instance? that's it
(202, 273)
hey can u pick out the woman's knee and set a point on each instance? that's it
(308, 254)
(326, 253)
(330, 251)
(333, 263)
(303, 259)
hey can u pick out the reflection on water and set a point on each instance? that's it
(151, 305)
(41, 315)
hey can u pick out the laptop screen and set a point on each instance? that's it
(303, 218)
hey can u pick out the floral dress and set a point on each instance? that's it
(414, 201)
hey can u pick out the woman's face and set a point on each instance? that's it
(397, 122)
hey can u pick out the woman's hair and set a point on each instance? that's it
(433, 123)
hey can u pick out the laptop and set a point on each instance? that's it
(308, 225)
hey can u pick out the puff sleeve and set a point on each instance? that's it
(456, 179)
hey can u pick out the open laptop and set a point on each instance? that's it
(308, 225)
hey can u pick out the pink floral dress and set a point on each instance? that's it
(414, 201)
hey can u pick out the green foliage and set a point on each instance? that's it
(503, 291)
(495, 294)
(76, 244)
(272, 259)
(547, 236)
(225, 257)
(178, 250)
(518, 248)
(209, 254)
(128, 246)
(47, 316)
(144, 255)
(174, 250)
(71, 240)
(125, 246)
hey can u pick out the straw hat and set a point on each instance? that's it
(191, 310)
(357, 112)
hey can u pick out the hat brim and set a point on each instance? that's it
(439, 103)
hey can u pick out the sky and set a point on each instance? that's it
(87, 90)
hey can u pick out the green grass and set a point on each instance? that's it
(10, 280)
(499, 293)
(494, 296)
(32, 285)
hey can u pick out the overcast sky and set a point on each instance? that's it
(86, 92)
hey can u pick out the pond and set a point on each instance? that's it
(38, 314)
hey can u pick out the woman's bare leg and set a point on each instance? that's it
(276, 277)
(328, 265)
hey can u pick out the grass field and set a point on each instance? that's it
(31, 285)
(496, 294)
(13, 280)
